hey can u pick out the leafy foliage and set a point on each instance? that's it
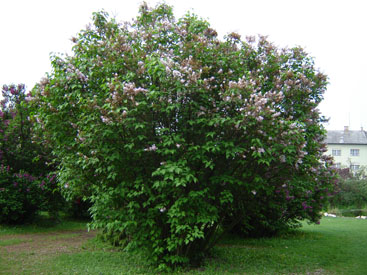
(177, 136)
(352, 189)
(25, 183)
(22, 196)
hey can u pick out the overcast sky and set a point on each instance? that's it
(332, 31)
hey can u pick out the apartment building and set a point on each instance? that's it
(349, 148)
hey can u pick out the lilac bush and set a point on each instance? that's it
(26, 182)
(23, 195)
(178, 137)
(16, 146)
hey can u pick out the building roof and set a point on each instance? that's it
(346, 137)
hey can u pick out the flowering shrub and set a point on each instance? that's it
(177, 136)
(16, 147)
(23, 195)
(23, 189)
(19, 200)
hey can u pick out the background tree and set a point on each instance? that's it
(26, 182)
(178, 137)
(17, 149)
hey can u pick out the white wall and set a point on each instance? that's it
(346, 159)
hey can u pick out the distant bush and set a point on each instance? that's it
(78, 208)
(351, 193)
(23, 195)
(27, 184)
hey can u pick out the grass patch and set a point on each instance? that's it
(99, 262)
(11, 242)
(336, 246)
(43, 225)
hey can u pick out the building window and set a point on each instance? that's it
(337, 165)
(354, 152)
(336, 152)
(354, 167)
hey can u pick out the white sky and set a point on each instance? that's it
(332, 31)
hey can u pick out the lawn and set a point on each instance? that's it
(336, 246)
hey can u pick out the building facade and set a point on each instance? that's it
(349, 148)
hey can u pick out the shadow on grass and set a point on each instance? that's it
(45, 223)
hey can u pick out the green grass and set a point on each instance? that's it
(336, 246)
(43, 224)
(10, 242)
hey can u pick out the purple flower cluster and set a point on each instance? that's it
(305, 206)
(26, 176)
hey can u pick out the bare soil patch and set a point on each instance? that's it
(36, 248)
(48, 243)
